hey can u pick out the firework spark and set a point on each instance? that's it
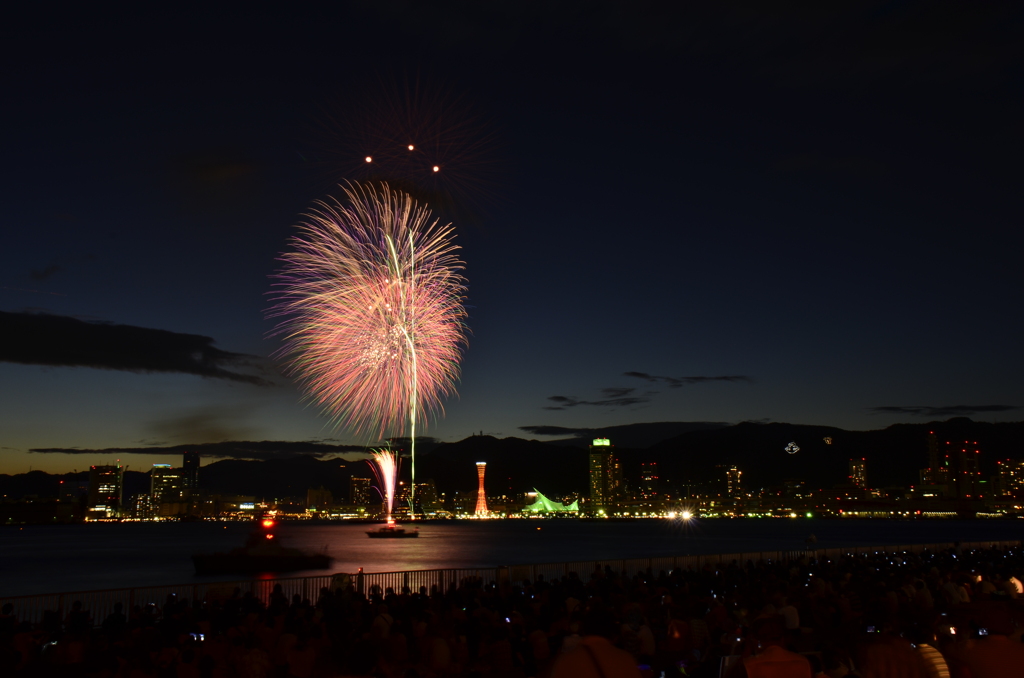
(420, 136)
(385, 466)
(371, 295)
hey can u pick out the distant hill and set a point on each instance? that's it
(894, 455)
(278, 478)
(636, 436)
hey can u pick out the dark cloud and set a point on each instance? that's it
(617, 392)
(676, 382)
(554, 430)
(947, 411)
(62, 341)
(633, 436)
(44, 273)
(617, 400)
(211, 423)
(260, 450)
(58, 266)
(23, 289)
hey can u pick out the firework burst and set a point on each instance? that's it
(371, 300)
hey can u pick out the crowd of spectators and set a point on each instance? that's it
(868, 615)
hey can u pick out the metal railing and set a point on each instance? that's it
(101, 603)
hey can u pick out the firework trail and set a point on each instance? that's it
(371, 295)
(385, 466)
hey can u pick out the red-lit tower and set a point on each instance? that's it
(481, 496)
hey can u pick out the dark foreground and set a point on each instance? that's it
(854, 614)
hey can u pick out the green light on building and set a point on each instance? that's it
(545, 505)
(602, 442)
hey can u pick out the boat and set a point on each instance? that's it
(262, 552)
(391, 530)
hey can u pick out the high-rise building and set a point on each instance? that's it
(167, 484)
(106, 492)
(603, 484)
(481, 495)
(141, 507)
(359, 491)
(859, 472)
(190, 471)
(733, 482)
(937, 473)
(649, 482)
(964, 474)
(1011, 477)
(427, 499)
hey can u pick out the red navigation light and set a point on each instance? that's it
(267, 523)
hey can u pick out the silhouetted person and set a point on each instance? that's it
(594, 656)
(115, 622)
(772, 659)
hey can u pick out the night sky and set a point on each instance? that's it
(728, 214)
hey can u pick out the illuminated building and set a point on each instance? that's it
(166, 484)
(542, 504)
(937, 474)
(170, 496)
(106, 492)
(1011, 476)
(733, 481)
(649, 480)
(319, 500)
(359, 491)
(426, 498)
(142, 507)
(190, 471)
(606, 477)
(481, 496)
(858, 472)
(964, 474)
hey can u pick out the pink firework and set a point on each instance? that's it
(371, 296)
(385, 466)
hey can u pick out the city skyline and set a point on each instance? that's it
(808, 219)
(611, 483)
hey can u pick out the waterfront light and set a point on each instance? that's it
(687, 515)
